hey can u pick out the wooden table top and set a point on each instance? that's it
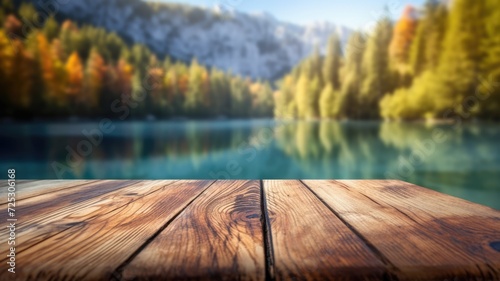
(248, 230)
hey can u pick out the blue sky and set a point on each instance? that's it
(351, 13)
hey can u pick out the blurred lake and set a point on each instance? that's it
(461, 160)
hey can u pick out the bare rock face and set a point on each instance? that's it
(254, 45)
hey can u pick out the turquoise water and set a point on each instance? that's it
(463, 160)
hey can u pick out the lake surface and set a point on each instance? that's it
(463, 160)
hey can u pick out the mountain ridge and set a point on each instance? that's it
(254, 45)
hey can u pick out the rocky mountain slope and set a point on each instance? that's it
(255, 45)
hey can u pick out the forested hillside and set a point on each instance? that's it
(256, 45)
(62, 70)
(436, 62)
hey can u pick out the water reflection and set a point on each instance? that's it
(462, 161)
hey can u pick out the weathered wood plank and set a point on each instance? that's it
(27, 189)
(310, 242)
(52, 201)
(426, 235)
(218, 237)
(47, 220)
(94, 248)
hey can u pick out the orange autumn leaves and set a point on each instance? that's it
(36, 70)
(57, 70)
(404, 33)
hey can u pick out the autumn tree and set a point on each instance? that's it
(220, 93)
(94, 76)
(403, 35)
(263, 99)
(13, 27)
(21, 77)
(74, 71)
(7, 54)
(195, 95)
(157, 94)
(284, 100)
(51, 29)
(53, 74)
(240, 97)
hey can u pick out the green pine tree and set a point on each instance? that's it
(348, 101)
(427, 46)
(490, 80)
(460, 63)
(377, 81)
(193, 105)
(333, 60)
(327, 102)
(51, 29)
(302, 96)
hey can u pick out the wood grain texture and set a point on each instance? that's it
(27, 189)
(218, 237)
(93, 248)
(201, 230)
(43, 216)
(426, 235)
(310, 242)
(49, 202)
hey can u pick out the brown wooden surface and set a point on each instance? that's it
(423, 233)
(219, 236)
(94, 246)
(249, 230)
(309, 241)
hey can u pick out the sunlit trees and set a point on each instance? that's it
(378, 79)
(174, 96)
(327, 102)
(427, 46)
(303, 98)
(53, 74)
(328, 96)
(263, 103)
(7, 54)
(404, 33)
(13, 27)
(489, 84)
(195, 95)
(348, 101)
(410, 71)
(51, 29)
(21, 77)
(94, 74)
(284, 100)
(333, 60)
(460, 62)
(220, 93)
(74, 70)
(61, 70)
(241, 98)
(157, 95)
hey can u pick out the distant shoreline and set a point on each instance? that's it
(76, 120)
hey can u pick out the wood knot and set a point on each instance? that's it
(495, 245)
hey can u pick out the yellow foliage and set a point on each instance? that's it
(74, 70)
(404, 32)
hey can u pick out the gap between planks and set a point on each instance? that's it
(117, 274)
(391, 267)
